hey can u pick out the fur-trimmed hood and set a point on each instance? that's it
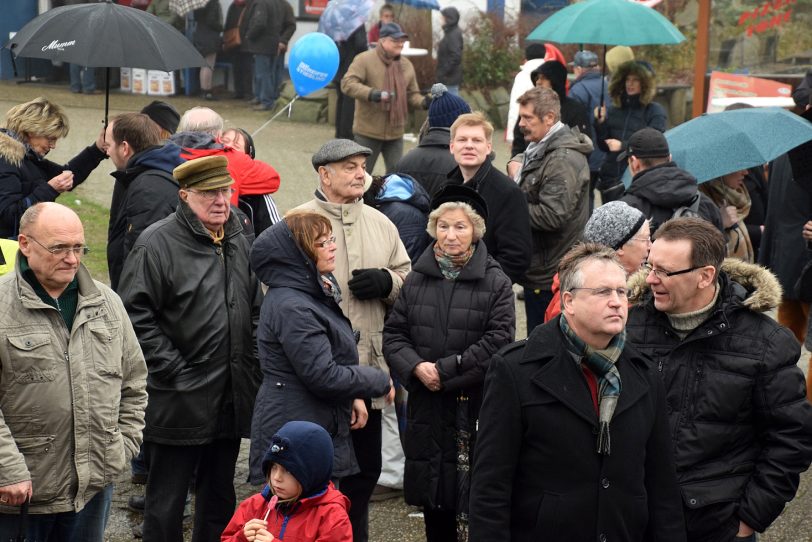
(617, 87)
(11, 149)
(763, 291)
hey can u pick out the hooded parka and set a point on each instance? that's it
(449, 50)
(457, 324)
(194, 305)
(307, 353)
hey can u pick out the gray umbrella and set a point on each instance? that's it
(105, 35)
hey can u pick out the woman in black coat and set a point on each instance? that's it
(454, 311)
(307, 348)
(26, 176)
(208, 41)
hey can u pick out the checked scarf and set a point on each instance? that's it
(602, 364)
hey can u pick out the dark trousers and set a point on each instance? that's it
(358, 487)
(441, 525)
(171, 468)
(535, 303)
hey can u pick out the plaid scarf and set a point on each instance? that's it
(330, 286)
(450, 265)
(602, 364)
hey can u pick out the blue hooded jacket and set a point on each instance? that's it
(406, 203)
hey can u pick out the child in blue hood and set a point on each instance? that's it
(299, 503)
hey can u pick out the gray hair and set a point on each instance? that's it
(201, 119)
(30, 217)
(543, 100)
(570, 267)
(477, 221)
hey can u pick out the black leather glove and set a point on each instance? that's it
(374, 95)
(370, 283)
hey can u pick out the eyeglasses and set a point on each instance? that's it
(606, 292)
(641, 238)
(211, 195)
(62, 250)
(327, 242)
(661, 274)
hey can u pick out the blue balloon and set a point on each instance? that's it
(313, 63)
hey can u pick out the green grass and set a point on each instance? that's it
(95, 219)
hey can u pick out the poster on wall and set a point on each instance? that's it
(728, 88)
(311, 10)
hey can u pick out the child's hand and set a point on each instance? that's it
(253, 528)
(263, 536)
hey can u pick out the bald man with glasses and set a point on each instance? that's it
(740, 423)
(72, 385)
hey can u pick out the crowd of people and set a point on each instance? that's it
(652, 399)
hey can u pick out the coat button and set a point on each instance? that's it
(602, 537)
(605, 483)
(692, 501)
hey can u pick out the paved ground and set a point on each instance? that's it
(288, 147)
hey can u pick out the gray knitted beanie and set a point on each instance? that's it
(613, 224)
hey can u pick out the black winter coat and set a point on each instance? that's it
(431, 161)
(266, 24)
(144, 193)
(458, 325)
(24, 179)
(307, 353)
(740, 423)
(783, 249)
(507, 229)
(537, 475)
(194, 305)
(449, 50)
(208, 28)
(409, 214)
(659, 191)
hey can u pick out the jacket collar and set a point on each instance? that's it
(436, 137)
(89, 293)
(560, 376)
(187, 217)
(346, 213)
(473, 270)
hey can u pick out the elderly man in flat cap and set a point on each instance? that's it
(371, 263)
(194, 304)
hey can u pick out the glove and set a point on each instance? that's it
(370, 283)
(374, 95)
(427, 99)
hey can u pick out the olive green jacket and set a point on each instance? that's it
(71, 401)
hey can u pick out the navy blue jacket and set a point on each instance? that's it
(406, 203)
(307, 354)
(587, 90)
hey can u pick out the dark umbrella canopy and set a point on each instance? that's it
(105, 35)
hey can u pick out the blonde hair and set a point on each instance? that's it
(477, 221)
(39, 117)
(477, 118)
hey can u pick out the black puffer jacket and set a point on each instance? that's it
(24, 179)
(194, 306)
(449, 50)
(458, 325)
(307, 352)
(659, 191)
(430, 162)
(740, 422)
(144, 193)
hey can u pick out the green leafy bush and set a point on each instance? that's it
(491, 56)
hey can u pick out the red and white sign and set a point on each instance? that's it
(743, 88)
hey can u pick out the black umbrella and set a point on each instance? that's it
(105, 35)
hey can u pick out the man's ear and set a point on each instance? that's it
(566, 301)
(707, 276)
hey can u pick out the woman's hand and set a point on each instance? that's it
(428, 374)
(100, 143)
(252, 529)
(807, 231)
(615, 145)
(359, 416)
(730, 216)
(600, 114)
(62, 182)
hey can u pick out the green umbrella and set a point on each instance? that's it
(607, 22)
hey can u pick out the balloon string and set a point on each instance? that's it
(288, 107)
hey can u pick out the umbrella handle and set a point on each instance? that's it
(288, 107)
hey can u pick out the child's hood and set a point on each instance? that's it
(305, 449)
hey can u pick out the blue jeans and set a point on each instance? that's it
(266, 83)
(82, 79)
(535, 303)
(85, 526)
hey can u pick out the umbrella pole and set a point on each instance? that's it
(603, 76)
(287, 108)
(106, 95)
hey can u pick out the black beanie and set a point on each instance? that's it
(163, 114)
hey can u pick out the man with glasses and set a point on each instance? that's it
(740, 422)
(194, 303)
(573, 439)
(384, 86)
(72, 385)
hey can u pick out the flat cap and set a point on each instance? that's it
(337, 150)
(207, 173)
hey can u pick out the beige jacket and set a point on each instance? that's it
(365, 238)
(71, 402)
(367, 73)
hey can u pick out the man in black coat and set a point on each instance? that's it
(449, 51)
(145, 190)
(659, 187)
(194, 304)
(739, 419)
(507, 233)
(573, 432)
